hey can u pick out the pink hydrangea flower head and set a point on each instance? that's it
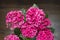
(14, 19)
(28, 31)
(45, 35)
(24, 25)
(46, 22)
(41, 27)
(11, 37)
(35, 15)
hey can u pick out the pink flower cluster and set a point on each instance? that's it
(35, 25)
(45, 35)
(11, 37)
(28, 30)
(45, 23)
(34, 16)
(14, 19)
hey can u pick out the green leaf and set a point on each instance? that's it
(46, 15)
(33, 38)
(21, 37)
(23, 10)
(17, 31)
(34, 5)
(52, 30)
(24, 38)
(25, 19)
(30, 38)
(27, 39)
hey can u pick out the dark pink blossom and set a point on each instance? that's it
(14, 19)
(44, 24)
(45, 34)
(34, 15)
(11, 37)
(28, 31)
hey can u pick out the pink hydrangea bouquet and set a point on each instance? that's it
(32, 24)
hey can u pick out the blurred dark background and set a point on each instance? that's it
(52, 7)
(29, 1)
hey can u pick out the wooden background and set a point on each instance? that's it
(52, 7)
